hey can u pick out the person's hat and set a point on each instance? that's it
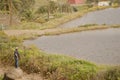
(16, 48)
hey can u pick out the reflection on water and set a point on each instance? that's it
(99, 46)
(109, 16)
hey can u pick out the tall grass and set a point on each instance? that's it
(112, 73)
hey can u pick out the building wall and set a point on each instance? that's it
(104, 3)
(76, 1)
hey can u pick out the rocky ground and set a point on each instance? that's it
(18, 74)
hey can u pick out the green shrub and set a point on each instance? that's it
(113, 74)
(49, 65)
(3, 37)
(27, 15)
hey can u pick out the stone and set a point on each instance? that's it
(13, 74)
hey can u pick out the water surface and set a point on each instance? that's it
(109, 16)
(99, 46)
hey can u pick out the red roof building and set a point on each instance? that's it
(76, 1)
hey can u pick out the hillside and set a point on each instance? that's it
(54, 67)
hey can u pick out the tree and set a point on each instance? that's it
(18, 7)
(3, 5)
(117, 1)
(49, 8)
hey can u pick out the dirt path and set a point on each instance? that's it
(27, 32)
(52, 31)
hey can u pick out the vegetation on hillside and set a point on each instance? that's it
(52, 67)
(57, 21)
(41, 14)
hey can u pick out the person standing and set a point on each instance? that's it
(16, 57)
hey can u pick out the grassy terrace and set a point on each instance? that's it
(57, 21)
(32, 34)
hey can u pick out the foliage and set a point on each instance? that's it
(42, 9)
(25, 11)
(113, 74)
(57, 66)
(18, 5)
(27, 15)
(116, 2)
(3, 37)
(53, 8)
(22, 8)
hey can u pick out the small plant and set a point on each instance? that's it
(88, 25)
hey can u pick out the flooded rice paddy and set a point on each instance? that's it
(109, 16)
(98, 46)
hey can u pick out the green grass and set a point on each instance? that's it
(50, 64)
